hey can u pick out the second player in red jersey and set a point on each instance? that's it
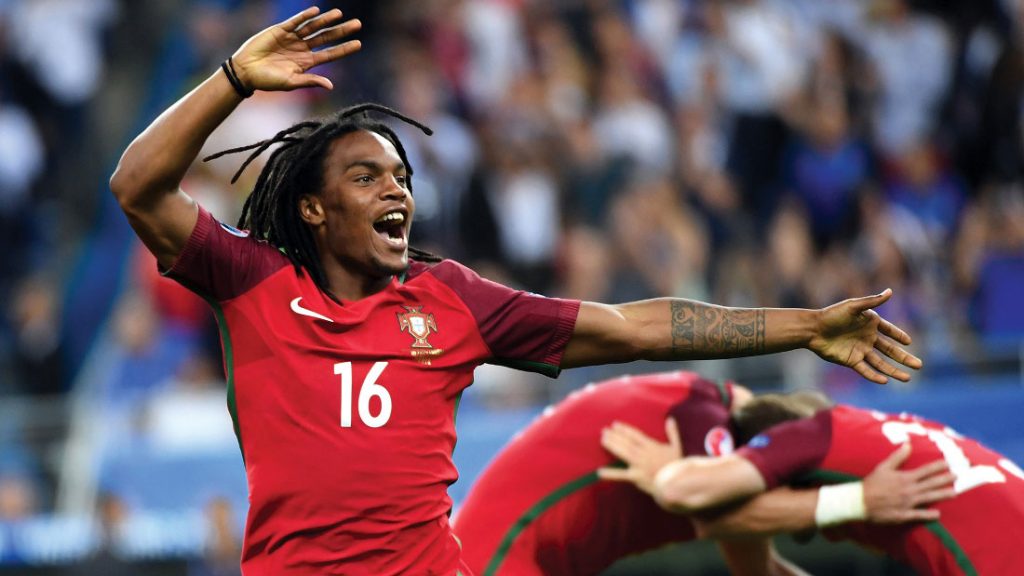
(977, 533)
(540, 508)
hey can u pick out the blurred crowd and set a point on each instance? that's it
(744, 152)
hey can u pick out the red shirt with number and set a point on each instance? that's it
(540, 509)
(345, 410)
(980, 530)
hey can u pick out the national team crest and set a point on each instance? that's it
(418, 324)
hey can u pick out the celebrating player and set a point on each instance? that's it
(345, 360)
(539, 508)
(978, 530)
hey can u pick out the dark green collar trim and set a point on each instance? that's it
(723, 391)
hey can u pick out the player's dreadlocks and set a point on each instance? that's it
(296, 167)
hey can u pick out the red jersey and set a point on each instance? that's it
(980, 530)
(539, 508)
(345, 410)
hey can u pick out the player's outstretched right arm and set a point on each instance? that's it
(146, 181)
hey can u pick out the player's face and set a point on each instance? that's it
(366, 206)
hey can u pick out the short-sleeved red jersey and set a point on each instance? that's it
(345, 410)
(539, 508)
(980, 530)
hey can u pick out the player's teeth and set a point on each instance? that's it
(396, 217)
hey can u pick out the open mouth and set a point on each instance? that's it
(391, 227)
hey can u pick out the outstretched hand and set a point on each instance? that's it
(893, 496)
(851, 333)
(278, 57)
(644, 456)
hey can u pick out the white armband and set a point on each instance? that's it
(840, 503)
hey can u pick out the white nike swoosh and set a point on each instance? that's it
(307, 312)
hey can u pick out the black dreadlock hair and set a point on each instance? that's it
(296, 167)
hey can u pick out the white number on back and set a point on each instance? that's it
(369, 389)
(967, 476)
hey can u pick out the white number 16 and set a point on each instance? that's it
(369, 389)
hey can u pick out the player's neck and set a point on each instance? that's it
(347, 285)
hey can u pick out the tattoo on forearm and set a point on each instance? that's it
(701, 330)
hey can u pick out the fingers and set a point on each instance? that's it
(313, 25)
(884, 367)
(929, 469)
(887, 347)
(618, 444)
(865, 370)
(339, 51)
(933, 496)
(919, 514)
(866, 303)
(331, 35)
(311, 81)
(616, 474)
(291, 24)
(897, 458)
(893, 331)
(672, 432)
(629, 433)
(940, 482)
(626, 442)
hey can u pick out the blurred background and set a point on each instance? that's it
(745, 152)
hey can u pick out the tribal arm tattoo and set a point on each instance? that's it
(702, 330)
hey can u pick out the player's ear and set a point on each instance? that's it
(311, 209)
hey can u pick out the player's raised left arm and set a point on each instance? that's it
(850, 333)
(147, 180)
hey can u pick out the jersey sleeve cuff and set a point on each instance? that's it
(204, 223)
(567, 314)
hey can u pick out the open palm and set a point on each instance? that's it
(279, 57)
(851, 333)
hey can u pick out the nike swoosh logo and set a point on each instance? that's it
(298, 309)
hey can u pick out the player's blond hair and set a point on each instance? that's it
(766, 410)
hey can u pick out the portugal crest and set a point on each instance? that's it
(418, 324)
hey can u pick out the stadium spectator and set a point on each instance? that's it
(223, 544)
(913, 58)
(825, 168)
(664, 244)
(108, 556)
(35, 315)
(18, 498)
(354, 476)
(802, 438)
(928, 190)
(197, 390)
(989, 262)
(539, 507)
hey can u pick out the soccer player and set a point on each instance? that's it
(539, 507)
(346, 349)
(978, 532)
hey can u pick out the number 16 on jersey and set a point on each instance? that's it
(368, 390)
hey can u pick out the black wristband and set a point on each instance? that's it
(229, 70)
